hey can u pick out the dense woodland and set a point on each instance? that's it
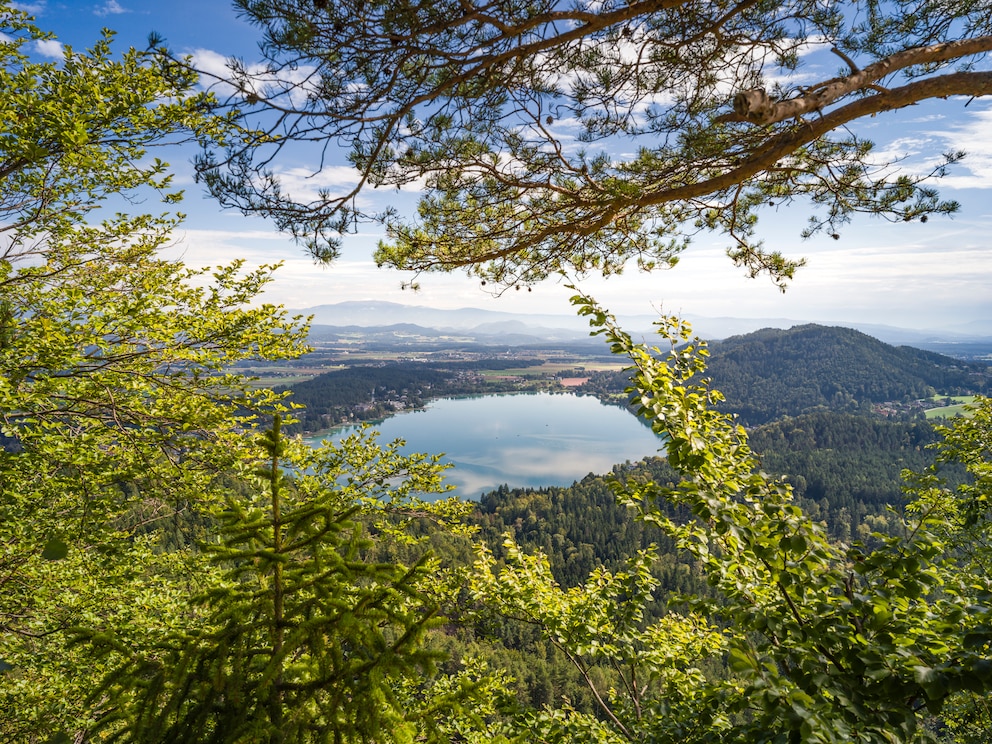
(846, 471)
(774, 373)
(176, 568)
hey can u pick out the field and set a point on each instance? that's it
(503, 366)
(958, 408)
(553, 368)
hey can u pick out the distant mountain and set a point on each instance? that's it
(377, 314)
(487, 335)
(772, 372)
(495, 327)
(336, 333)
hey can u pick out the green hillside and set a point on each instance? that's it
(773, 373)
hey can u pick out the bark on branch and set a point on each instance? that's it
(955, 84)
(756, 106)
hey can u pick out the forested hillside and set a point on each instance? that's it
(846, 472)
(773, 373)
(845, 469)
(844, 466)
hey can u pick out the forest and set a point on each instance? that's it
(844, 468)
(773, 373)
(177, 566)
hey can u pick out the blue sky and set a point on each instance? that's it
(934, 275)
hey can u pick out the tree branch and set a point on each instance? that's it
(756, 106)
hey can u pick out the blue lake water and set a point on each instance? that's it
(521, 439)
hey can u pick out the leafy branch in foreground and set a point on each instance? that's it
(825, 642)
(119, 418)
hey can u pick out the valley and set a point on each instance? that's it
(359, 374)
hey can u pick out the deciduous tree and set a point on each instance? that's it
(117, 410)
(823, 641)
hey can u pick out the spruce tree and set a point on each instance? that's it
(303, 637)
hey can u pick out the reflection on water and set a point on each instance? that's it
(525, 439)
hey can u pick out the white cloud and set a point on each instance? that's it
(926, 119)
(970, 134)
(915, 155)
(921, 147)
(210, 62)
(34, 9)
(814, 44)
(289, 85)
(49, 48)
(111, 7)
(304, 184)
(217, 71)
(300, 283)
(213, 247)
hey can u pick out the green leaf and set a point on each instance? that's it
(740, 661)
(55, 550)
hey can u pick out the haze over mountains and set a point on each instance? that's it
(489, 326)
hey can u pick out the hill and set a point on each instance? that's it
(773, 373)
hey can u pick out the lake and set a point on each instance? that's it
(521, 439)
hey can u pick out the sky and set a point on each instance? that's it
(916, 276)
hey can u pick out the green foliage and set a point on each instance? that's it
(827, 642)
(844, 643)
(591, 136)
(128, 591)
(651, 668)
(960, 516)
(968, 441)
(117, 414)
(302, 637)
(76, 132)
(845, 470)
(578, 527)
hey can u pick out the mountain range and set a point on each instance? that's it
(476, 325)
